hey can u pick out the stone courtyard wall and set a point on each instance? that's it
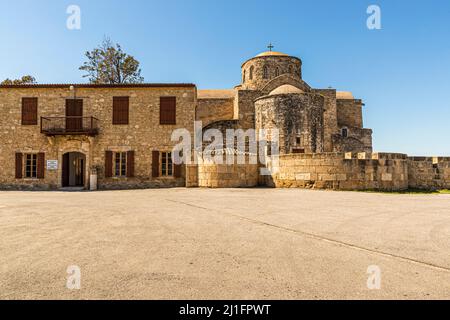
(341, 171)
(429, 172)
(212, 175)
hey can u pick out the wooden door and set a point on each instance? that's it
(74, 114)
(79, 171)
(66, 170)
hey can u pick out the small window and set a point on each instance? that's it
(29, 111)
(277, 72)
(31, 166)
(166, 164)
(121, 109)
(120, 164)
(243, 77)
(290, 69)
(168, 111)
(298, 141)
(251, 72)
(265, 72)
(344, 132)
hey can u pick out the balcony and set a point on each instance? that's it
(57, 126)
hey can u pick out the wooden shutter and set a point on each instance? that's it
(108, 164)
(177, 170)
(168, 110)
(29, 111)
(155, 164)
(130, 164)
(19, 165)
(121, 109)
(41, 165)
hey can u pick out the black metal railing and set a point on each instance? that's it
(53, 126)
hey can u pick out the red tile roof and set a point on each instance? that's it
(90, 85)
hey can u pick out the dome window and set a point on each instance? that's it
(251, 73)
(243, 77)
(277, 72)
(265, 72)
(344, 132)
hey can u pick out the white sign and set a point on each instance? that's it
(52, 164)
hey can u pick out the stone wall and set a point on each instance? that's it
(429, 172)
(297, 116)
(358, 140)
(143, 134)
(349, 113)
(191, 175)
(244, 108)
(340, 171)
(284, 65)
(212, 175)
(211, 110)
(329, 117)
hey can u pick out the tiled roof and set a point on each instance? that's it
(215, 94)
(272, 53)
(344, 95)
(90, 85)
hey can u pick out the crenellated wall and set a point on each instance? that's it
(341, 171)
(429, 172)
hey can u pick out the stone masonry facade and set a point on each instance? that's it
(142, 135)
(120, 136)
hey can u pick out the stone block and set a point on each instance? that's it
(303, 176)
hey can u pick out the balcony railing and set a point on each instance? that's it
(54, 126)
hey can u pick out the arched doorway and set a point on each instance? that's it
(73, 169)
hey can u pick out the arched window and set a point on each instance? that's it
(243, 77)
(265, 72)
(290, 69)
(277, 72)
(344, 132)
(251, 73)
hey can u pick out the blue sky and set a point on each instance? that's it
(402, 72)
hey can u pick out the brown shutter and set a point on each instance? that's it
(130, 164)
(19, 164)
(155, 164)
(108, 164)
(29, 111)
(177, 170)
(168, 110)
(121, 110)
(41, 165)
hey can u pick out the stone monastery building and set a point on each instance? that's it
(57, 136)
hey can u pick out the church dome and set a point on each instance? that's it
(272, 53)
(286, 89)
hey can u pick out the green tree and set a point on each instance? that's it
(108, 64)
(24, 80)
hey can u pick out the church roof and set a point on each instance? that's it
(286, 89)
(272, 53)
(215, 94)
(344, 95)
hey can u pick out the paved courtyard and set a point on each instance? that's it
(224, 244)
